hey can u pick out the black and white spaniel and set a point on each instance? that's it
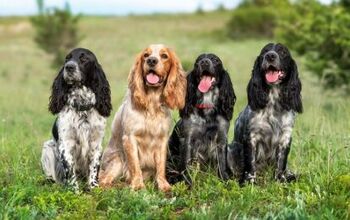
(81, 99)
(201, 133)
(263, 131)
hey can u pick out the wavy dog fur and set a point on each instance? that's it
(201, 133)
(263, 131)
(140, 130)
(81, 99)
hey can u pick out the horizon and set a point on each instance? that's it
(117, 7)
(114, 7)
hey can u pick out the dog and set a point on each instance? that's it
(140, 130)
(263, 130)
(201, 133)
(81, 99)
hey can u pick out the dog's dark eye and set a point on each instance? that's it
(83, 58)
(164, 56)
(145, 55)
(265, 51)
(282, 53)
(215, 60)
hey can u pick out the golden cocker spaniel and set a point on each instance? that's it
(140, 130)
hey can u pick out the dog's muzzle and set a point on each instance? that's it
(271, 59)
(71, 72)
(205, 65)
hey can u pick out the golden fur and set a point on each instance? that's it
(140, 130)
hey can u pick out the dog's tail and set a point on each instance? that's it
(50, 162)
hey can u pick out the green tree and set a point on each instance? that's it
(221, 7)
(322, 34)
(257, 18)
(200, 9)
(56, 31)
(345, 3)
(264, 3)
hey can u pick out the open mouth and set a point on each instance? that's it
(206, 83)
(274, 75)
(152, 78)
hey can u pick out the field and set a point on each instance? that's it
(320, 151)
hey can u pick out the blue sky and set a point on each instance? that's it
(115, 7)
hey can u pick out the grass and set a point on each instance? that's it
(320, 150)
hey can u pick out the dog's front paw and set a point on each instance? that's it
(250, 178)
(75, 188)
(105, 181)
(163, 185)
(285, 177)
(93, 184)
(224, 175)
(137, 184)
(290, 176)
(73, 185)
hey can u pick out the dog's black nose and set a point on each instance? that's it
(70, 67)
(205, 62)
(271, 56)
(152, 61)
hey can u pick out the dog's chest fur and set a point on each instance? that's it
(270, 128)
(204, 128)
(153, 123)
(209, 99)
(81, 128)
(152, 127)
(149, 130)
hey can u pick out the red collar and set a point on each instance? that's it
(204, 106)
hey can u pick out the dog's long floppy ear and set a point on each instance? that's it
(136, 84)
(102, 91)
(191, 97)
(257, 89)
(175, 89)
(227, 97)
(291, 90)
(59, 92)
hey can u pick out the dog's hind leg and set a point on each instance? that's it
(112, 168)
(50, 161)
(221, 140)
(174, 156)
(235, 161)
(222, 161)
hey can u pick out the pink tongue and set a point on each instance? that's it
(152, 78)
(272, 76)
(205, 84)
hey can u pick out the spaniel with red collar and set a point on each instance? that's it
(201, 133)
